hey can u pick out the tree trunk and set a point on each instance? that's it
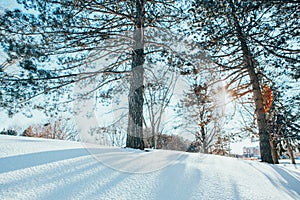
(154, 133)
(155, 140)
(273, 151)
(290, 152)
(264, 139)
(204, 143)
(136, 99)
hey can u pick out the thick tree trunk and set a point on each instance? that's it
(136, 99)
(264, 139)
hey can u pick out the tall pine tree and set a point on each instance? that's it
(242, 36)
(97, 40)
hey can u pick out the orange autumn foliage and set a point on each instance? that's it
(267, 98)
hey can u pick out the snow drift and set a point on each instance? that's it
(32, 168)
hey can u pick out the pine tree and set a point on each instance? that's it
(283, 122)
(99, 41)
(242, 36)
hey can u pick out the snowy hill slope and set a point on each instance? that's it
(47, 169)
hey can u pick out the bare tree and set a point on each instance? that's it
(60, 129)
(159, 88)
(202, 107)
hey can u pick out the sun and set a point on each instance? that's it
(222, 97)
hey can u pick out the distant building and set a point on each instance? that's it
(250, 152)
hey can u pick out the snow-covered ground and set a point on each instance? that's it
(33, 168)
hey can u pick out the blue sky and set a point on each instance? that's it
(8, 4)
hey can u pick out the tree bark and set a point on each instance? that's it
(204, 144)
(273, 151)
(290, 152)
(136, 99)
(264, 139)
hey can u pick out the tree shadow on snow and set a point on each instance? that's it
(136, 162)
(289, 180)
(34, 159)
(292, 182)
(183, 186)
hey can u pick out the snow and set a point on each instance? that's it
(32, 168)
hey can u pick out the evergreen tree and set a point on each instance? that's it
(242, 36)
(284, 126)
(95, 41)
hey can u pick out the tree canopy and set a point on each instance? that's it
(242, 37)
(61, 51)
(103, 41)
